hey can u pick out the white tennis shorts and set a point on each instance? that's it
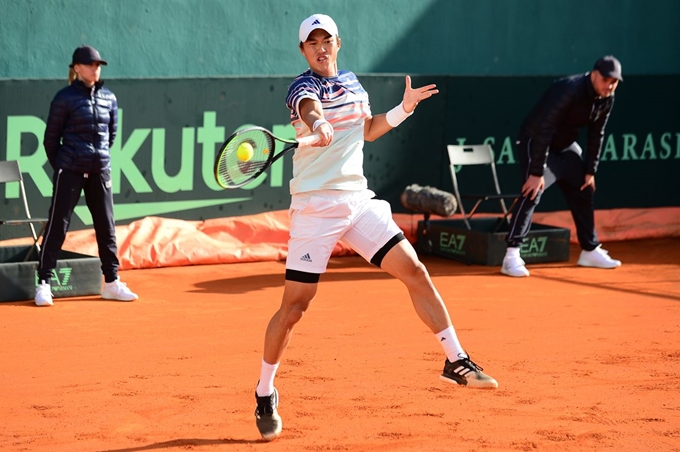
(319, 219)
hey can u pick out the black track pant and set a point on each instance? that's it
(567, 170)
(65, 195)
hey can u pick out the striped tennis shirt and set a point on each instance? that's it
(338, 166)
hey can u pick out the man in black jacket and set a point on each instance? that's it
(549, 153)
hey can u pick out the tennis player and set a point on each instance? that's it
(331, 202)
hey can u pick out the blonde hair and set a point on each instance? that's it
(71, 75)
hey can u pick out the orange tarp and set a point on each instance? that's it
(160, 242)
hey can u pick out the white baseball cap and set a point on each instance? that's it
(317, 21)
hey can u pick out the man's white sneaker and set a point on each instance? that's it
(466, 373)
(43, 294)
(118, 290)
(514, 266)
(598, 258)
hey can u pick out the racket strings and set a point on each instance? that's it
(231, 170)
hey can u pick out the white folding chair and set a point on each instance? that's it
(478, 154)
(11, 172)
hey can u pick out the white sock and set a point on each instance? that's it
(265, 386)
(512, 251)
(449, 342)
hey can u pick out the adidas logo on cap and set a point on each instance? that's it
(317, 21)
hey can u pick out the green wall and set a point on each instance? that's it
(198, 38)
(171, 129)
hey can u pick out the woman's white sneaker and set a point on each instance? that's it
(43, 294)
(514, 266)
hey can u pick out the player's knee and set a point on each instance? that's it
(420, 271)
(415, 274)
(295, 313)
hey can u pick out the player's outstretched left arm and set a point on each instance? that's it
(378, 125)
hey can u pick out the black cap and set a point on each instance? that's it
(609, 66)
(86, 55)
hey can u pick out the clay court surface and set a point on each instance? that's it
(586, 360)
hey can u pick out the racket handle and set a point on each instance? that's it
(306, 141)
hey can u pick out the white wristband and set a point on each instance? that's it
(318, 122)
(397, 115)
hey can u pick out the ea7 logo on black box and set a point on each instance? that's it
(534, 247)
(451, 243)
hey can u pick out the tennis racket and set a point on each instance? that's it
(233, 169)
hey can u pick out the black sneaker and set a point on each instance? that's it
(466, 373)
(266, 417)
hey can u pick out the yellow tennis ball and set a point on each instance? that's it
(244, 151)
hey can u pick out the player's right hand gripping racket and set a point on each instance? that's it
(232, 171)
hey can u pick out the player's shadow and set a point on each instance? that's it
(340, 269)
(239, 284)
(186, 443)
(254, 283)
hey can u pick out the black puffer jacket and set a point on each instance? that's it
(556, 122)
(81, 128)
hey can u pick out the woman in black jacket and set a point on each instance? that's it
(81, 127)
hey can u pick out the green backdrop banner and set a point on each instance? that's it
(171, 129)
(213, 38)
